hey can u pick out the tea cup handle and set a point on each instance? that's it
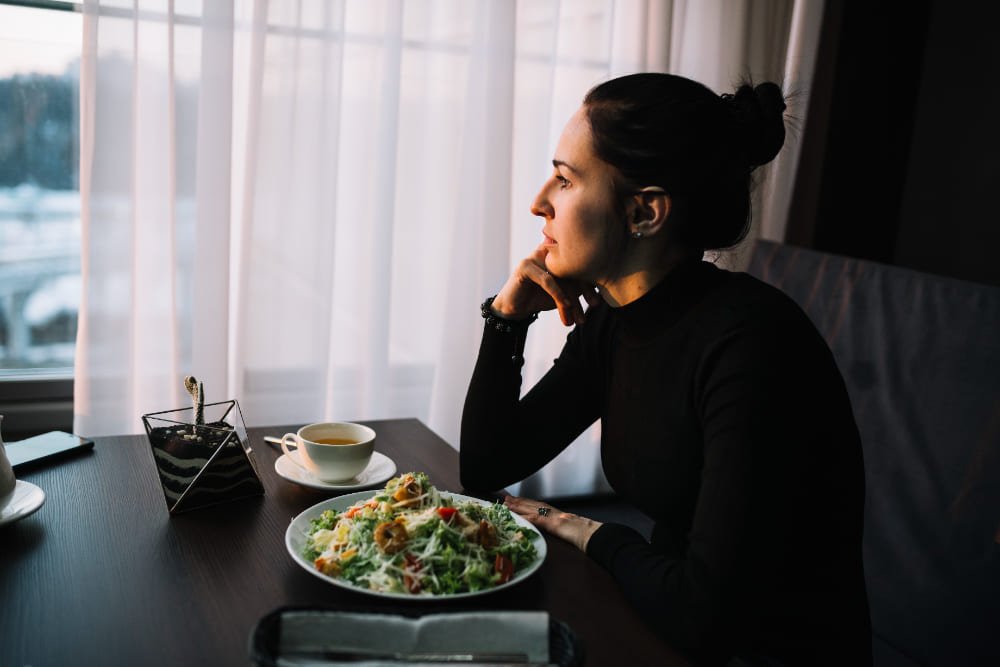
(295, 443)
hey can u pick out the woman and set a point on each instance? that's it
(723, 415)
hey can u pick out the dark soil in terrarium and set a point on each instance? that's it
(210, 456)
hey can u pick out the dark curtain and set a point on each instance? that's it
(859, 127)
(901, 146)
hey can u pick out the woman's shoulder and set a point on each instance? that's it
(710, 302)
(740, 299)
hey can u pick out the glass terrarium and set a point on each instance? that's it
(202, 459)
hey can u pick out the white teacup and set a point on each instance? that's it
(7, 481)
(331, 451)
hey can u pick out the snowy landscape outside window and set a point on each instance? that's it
(39, 190)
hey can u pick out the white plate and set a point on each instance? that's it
(23, 501)
(380, 470)
(295, 542)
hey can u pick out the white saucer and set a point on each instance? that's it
(380, 469)
(25, 499)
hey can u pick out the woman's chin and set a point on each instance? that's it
(554, 266)
(557, 270)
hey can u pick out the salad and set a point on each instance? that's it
(408, 538)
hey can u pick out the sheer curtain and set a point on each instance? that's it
(304, 202)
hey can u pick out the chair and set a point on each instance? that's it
(921, 357)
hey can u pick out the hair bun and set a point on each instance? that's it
(760, 116)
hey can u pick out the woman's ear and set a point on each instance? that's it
(652, 208)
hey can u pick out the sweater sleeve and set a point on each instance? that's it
(505, 438)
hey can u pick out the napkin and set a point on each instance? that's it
(499, 632)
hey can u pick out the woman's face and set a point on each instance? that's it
(583, 232)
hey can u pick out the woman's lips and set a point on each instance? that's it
(548, 240)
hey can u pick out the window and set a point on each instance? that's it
(39, 199)
(39, 213)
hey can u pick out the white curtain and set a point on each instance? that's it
(304, 202)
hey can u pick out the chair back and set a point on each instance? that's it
(921, 358)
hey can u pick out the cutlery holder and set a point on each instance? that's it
(202, 464)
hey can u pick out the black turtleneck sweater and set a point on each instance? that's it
(725, 419)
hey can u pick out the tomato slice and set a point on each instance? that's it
(505, 566)
(446, 513)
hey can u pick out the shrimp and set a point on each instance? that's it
(391, 536)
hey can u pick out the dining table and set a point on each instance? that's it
(102, 573)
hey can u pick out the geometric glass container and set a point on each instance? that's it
(202, 464)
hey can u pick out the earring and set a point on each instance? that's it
(637, 235)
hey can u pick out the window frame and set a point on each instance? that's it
(34, 405)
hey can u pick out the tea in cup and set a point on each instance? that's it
(331, 451)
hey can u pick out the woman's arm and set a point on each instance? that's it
(506, 438)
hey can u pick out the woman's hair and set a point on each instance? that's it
(668, 131)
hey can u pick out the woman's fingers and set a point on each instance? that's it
(521, 296)
(565, 293)
(534, 289)
(531, 288)
(566, 303)
(568, 306)
(569, 291)
(575, 529)
(529, 509)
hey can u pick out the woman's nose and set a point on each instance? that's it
(541, 206)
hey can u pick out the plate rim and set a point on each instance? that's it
(330, 486)
(305, 515)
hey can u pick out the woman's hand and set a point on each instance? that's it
(531, 289)
(573, 528)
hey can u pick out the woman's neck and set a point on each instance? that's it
(635, 283)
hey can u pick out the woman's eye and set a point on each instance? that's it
(563, 182)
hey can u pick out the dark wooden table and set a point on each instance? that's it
(103, 575)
